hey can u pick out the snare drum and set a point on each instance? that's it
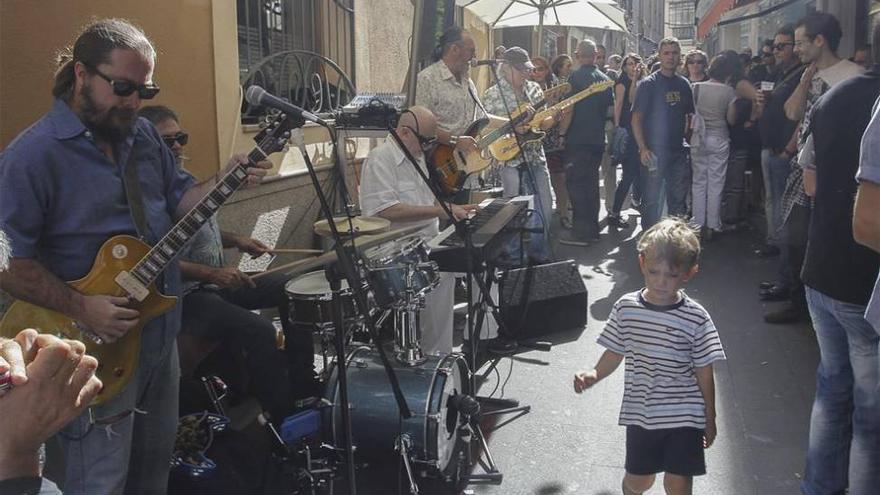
(375, 422)
(311, 300)
(388, 263)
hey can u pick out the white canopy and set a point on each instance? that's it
(601, 14)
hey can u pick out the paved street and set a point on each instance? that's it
(572, 444)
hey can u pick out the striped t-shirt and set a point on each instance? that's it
(662, 345)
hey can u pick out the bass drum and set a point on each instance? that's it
(376, 424)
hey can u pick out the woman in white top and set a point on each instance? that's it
(710, 143)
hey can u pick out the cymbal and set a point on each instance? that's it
(361, 225)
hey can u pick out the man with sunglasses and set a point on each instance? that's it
(527, 173)
(62, 195)
(391, 188)
(447, 90)
(218, 303)
(779, 142)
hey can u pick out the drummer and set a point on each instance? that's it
(390, 188)
(218, 300)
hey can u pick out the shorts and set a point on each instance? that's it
(671, 450)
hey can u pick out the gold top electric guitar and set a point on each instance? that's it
(127, 267)
(507, 148)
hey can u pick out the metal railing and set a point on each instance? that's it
(306, 79)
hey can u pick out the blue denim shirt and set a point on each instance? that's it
(61, 197)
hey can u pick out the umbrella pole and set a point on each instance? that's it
(540, 31)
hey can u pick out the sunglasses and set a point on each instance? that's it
(697, 62)
(126, 88)
(423, 140)
(181, 137)
(781, 46)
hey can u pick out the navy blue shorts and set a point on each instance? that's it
(673, 450)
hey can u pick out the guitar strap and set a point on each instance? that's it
(134, 196)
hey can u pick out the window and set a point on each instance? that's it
(299, 50)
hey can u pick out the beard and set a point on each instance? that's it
(111, 125)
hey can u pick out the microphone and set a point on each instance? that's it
(258, 96)
(476, 63)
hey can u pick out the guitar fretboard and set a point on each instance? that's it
(157, 259)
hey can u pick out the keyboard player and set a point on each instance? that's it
(390, 188)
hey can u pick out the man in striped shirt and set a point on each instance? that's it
(669, 343)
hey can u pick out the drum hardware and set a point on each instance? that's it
(346, 267)
(463, 226)
(403, 445)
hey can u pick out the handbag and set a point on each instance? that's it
(698, 124)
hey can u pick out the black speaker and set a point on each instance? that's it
(542, 299)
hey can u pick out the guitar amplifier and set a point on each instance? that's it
(543, 299)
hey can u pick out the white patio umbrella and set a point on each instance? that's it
(602, 14)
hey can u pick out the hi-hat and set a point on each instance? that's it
(359, 225)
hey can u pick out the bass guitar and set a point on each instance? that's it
(450, 168)
(507, 147)
(127, 267)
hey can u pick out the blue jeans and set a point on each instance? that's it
(844, 449)
(775, 170)
(130, 450)
(669, 183)
(518, 181)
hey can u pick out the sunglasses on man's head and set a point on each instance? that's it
(126, 88)
(181, 137)
(423, 140)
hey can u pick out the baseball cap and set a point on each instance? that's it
(518, 58)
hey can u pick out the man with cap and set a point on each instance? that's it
(527, 172)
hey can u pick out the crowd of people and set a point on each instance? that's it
(684, 135)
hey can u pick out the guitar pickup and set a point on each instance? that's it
(132, 286)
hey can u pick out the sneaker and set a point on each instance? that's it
(572, 241)
(501, 346)
(617, 221)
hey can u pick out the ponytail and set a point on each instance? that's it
(65, 77)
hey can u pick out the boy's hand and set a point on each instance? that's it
(584, 380)
(709, 434)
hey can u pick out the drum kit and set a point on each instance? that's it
(397, 275)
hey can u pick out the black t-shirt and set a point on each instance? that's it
(835, 264)
(626, 110)
(588, 121)
(663, 103)
(776, 129)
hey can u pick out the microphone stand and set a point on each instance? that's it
(493, 475)
(345, 267)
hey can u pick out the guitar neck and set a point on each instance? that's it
(155, 261)
(571, 100)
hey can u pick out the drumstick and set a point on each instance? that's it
(285, 267)
(297, 251)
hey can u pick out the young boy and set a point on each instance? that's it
(670, 343)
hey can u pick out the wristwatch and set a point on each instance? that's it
(453, 141)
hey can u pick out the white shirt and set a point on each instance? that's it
(450, 100)
(388, 179)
